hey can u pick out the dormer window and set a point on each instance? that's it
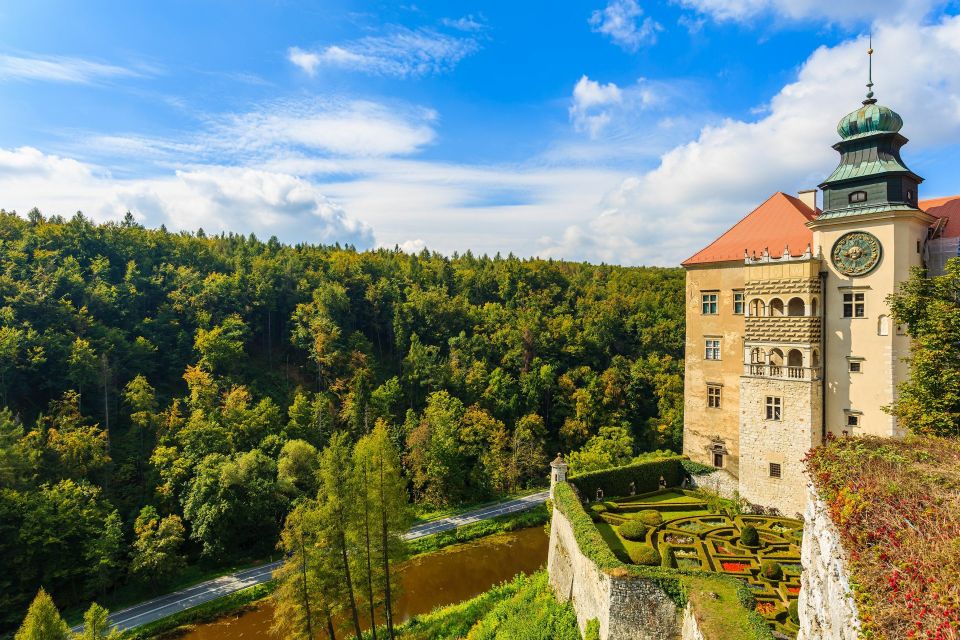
(858, 196)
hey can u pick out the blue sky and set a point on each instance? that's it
(623, 131)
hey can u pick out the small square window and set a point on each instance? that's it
(713, 396)
(858, 196)
(853, 420)
(853, 305)
(709, 303)
(774, 407)
(738, 303)
(775, 470)
(712, 350)
(855, 366)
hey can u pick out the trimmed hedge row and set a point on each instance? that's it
(645, 477)
(672, 581)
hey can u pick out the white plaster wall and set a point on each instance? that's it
(826, 606)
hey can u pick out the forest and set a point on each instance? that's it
(164, 396)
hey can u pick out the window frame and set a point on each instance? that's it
(774, 408)
(718, 455)
(775, 467)
(706, 305)
(854, 305)
(742, 302)
(714, 396)
(857, 197)
(855, 365)
(852, 420)
(714, 349)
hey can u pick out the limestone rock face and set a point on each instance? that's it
(826, 606)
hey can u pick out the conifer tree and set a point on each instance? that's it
(43, 621)
(96, 625)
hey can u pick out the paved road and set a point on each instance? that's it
(172, 603)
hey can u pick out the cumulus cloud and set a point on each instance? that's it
(702, 187)
(595, 106)
(621, 21)
(403, 53)
(59, 69)
(214, 198)
(825, 10)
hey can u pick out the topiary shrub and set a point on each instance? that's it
(649, 517)
(794, 610)
(668, 557)
(599, 508)
(633, 530)
(643, 554)
(749, 536)
(771, 570)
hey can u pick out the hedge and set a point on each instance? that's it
(674, 582)
(644, 475)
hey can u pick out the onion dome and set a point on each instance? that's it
(868, 119)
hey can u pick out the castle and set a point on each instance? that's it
(788, 333)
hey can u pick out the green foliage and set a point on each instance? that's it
(592, 630)
(668, 557)
(771, 570)
(695, 468)
(611, 447)
(43, 621)
(929, 401)
(156, 549)
(96, 625)
(644, 554)
(794, 611)
(749, 537)
(644, 477)
(501, 524)
(633, 530)
(649, 517)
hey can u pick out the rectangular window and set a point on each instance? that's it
(709, 302)
(853, 305)
(855, 366)
(712, 351)
(775, 470)
(774, 407)
(738, 303)
(853, 420)
(718, 460)
(713, 396)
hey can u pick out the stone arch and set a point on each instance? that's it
(776, 357)
(794, 358)
(757, 308)
(776, 307)
(815, 358)
(883, 325)
(796, 307)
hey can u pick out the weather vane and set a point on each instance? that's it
(870, 99)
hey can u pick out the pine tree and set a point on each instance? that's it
(96, 625)
(43, 621)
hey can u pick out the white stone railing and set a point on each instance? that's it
(780, 371)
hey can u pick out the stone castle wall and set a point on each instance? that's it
(826, 606)
(627, 607)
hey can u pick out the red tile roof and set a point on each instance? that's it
(777, 223)
(948, 208)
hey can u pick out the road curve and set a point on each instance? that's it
(172, 603)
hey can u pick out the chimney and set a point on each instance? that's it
(809, 198)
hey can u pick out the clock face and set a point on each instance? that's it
(856, 253)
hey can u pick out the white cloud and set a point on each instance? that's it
(216, 198)
(702, 187)
(621, 21)
(58, 69)
(403, 52)
(826, 10)
(595, 106)
(466, 23)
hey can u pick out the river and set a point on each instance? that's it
(451, 575)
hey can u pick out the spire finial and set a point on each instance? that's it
(870, 99)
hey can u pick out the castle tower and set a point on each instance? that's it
(558, 472)
(781, 392)
(871, 233)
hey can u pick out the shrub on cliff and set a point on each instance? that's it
(649, 517)
(749, 536)
(633, 530)
(794, 611)
(771, 570)
(643, 554)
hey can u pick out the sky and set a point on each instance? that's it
(620, 131)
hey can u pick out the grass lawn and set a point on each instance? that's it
(666, 496)
(618, 545)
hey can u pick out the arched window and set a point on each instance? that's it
(813, 307)
(858, 196)
(815, 359)
(757, 308)
(776, 357)
(883, 326)
(796, 307)
(776, 307)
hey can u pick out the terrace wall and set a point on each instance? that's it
(826, 607)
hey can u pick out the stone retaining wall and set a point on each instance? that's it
(720, 482)
(826, 606)
(627, 607)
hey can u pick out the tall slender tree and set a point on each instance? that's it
(43, 621)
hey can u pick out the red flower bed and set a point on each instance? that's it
(737, 567)
(793, 590)
(766, 608)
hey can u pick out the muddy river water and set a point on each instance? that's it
(452, 575)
